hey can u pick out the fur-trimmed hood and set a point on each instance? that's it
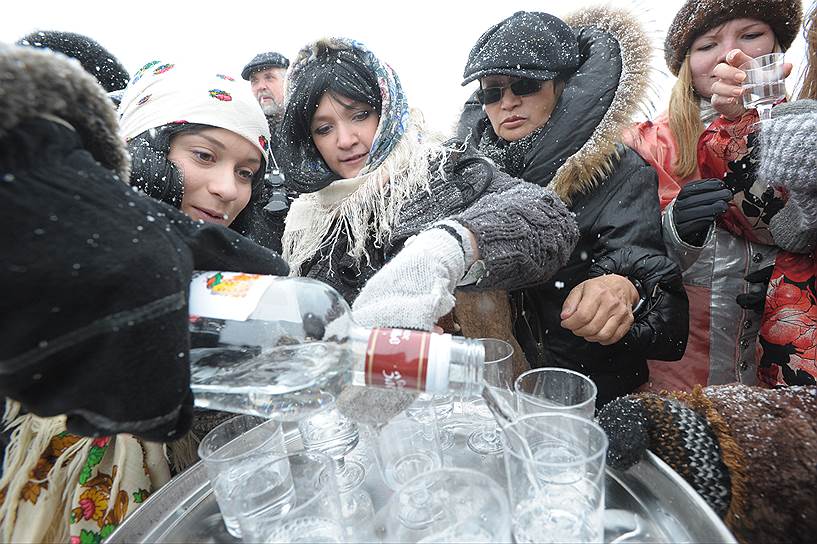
(40, 83)
(577, 148)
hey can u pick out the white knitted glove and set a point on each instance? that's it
(416, 287)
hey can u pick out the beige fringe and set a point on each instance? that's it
(596, 159)
(371, 210)
(30, 438)
(183, 453)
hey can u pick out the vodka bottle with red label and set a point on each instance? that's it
(285, 347)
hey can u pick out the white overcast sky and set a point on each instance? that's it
(425, 41)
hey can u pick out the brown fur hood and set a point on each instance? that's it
(579, 146)
(40, 83)
(596, 159)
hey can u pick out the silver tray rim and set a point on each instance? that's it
(179, 497)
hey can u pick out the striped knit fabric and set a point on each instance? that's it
(674, 432)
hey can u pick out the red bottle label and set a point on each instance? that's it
(397, 359)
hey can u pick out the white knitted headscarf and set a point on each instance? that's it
(164, 93)
(364, 208)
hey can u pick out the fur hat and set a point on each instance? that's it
(70, 94)
(747, 450)
(697, 16)
(97, 61)
(534, 45)
(262, 61)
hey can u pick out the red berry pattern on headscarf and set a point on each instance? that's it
(163, 68)
(263, 141)
(142, 70)
(221, 95)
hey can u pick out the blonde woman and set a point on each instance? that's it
(716, 218)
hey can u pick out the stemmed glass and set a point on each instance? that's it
(450, 505)
(335, 435)
(497, 374)
(408, 447)
(439, 407)
(331, 433)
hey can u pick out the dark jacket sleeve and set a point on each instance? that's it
(629, 243)
(214, 247)
(96, 324)
(524, 232)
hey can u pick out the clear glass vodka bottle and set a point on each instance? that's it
(285, 347)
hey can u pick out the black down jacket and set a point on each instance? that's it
(614, 196)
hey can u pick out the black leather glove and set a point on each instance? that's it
(697, 206)
(755, 299)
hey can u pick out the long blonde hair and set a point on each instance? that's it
(685, 107)
(685, 122)
(808, 89)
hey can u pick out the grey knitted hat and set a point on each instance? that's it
(788, 161)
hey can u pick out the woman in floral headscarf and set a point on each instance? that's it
(371, 176)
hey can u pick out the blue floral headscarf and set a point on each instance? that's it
(306, 171)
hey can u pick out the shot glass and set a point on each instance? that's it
(764, 84)
(554, 465)
(449, 505)
(555, 390)
(240, 458)
(313, 513)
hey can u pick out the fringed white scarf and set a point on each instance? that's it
(364, 208)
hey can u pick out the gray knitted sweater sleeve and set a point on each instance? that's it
(524, 232)
(788, 161)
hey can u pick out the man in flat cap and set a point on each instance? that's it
(266, 72)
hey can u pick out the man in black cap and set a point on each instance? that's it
(266, 72)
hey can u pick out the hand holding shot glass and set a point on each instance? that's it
(765, 83)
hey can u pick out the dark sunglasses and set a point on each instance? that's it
(520, 87)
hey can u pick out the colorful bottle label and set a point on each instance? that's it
(227, 295)
(398, 359)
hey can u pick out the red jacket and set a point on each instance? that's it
(782, 348)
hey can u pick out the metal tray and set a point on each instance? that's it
(647, 503)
